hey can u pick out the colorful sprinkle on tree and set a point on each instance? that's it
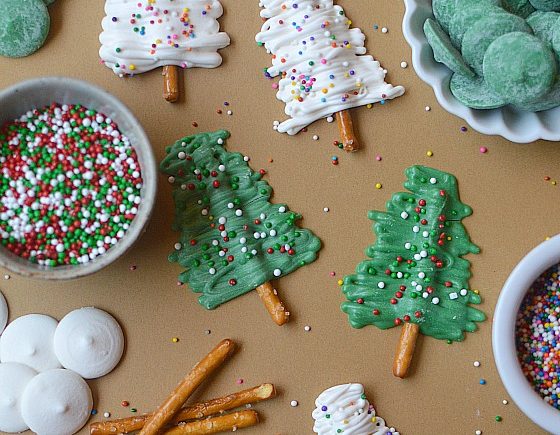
(416, 275)
(322, 63)
(233, 240)
(139, 36)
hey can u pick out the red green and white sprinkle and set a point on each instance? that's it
(70, 185)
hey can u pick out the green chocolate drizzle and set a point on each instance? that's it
(222, 211)
(415, 271)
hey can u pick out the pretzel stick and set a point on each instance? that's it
(405, 349)
(186, 387)
(224, 423)
(346, 129)
(170, 83)
(273, 304)
(197, 410)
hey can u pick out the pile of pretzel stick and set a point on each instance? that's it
(174, 418)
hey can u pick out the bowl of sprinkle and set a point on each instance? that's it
(78, 178)
(526, 335)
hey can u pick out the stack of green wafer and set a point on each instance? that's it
(500, 51)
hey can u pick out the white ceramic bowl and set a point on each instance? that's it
(41, 92)
(536, 262)
(514, 125)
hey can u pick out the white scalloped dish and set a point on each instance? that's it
(512, 124)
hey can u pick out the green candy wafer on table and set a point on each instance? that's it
(485, 31)
(546, 5)
(522, 78)
(521, 8)
(475, 93)
(466, 16)
(543, 24)
(444, 51)
(24, 26)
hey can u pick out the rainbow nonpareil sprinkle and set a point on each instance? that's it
(538, 336)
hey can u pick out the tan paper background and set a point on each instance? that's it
(514, 209)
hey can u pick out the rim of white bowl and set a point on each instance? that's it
(147, 160)
(532, 266)
(513, 125)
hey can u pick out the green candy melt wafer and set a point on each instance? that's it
(444, 51)
(24, 26)
(546, 102)
(556, 39)
(444, 11)
(468, 15)
(475, 93)
(521, 8)
(485, 31)
(522, 78)
(543, 24)
(546, 5)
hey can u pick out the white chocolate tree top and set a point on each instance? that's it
(141, 35)
(321, 60)
(345, 409)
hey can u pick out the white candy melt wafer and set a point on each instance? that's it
(14, 377)
(29, 340)
(90, 342)
(56, 402)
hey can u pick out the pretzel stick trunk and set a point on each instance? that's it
(224, 423)
(197, 410)
(346, 128)
(186, 387)
(170, 83)
(273, 304)
(405, 349)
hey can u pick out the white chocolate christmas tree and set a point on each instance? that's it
(345, 409)
(141, 35)
(321, 60)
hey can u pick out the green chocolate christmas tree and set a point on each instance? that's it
(415, 274)
(233, 240)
